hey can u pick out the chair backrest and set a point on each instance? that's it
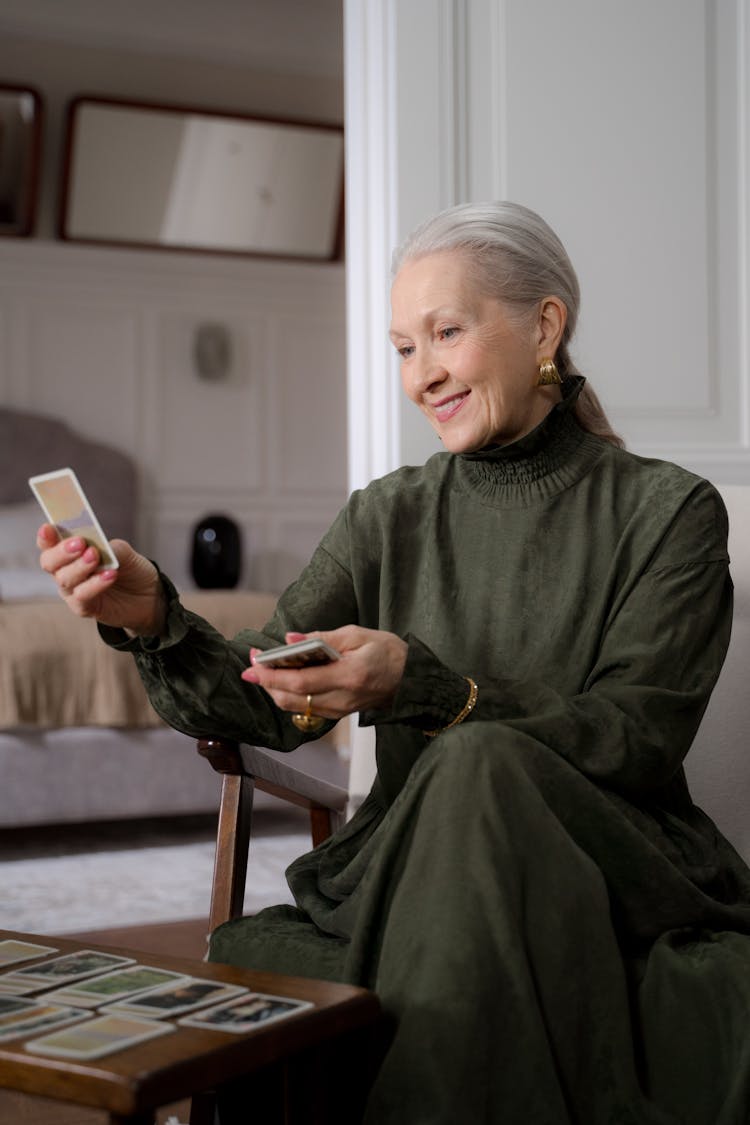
(718, 765)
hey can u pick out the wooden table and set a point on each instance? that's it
(312, 1067)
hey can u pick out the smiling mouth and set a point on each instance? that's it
(446, 409)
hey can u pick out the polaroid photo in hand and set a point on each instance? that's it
(297, 654)
(65, 505)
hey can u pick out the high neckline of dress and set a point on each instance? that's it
(552, 455)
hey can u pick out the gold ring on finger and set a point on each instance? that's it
(307, 722)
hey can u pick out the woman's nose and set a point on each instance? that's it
(426, 372)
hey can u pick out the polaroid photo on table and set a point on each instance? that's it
(11, 986)
(12, 951)
(40, 1017)
(246, 1013)
(17, 1015)
(123, 983)
(65, 505)
(173, 1000)
(102, 1035)
(10, 1005)
(67, 968)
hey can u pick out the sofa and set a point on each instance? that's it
(718, 765)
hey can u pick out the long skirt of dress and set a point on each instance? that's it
(551, 953)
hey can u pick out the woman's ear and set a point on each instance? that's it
(551, 322)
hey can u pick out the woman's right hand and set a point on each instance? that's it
(129, 596)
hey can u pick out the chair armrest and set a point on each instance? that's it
(243, 767)
(273, 775)
(290, 782)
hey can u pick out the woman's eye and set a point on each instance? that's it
(448, 333)
(406, 350)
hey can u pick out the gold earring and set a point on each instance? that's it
(548, 373)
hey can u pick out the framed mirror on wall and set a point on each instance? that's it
(20, 158)
(177, 178)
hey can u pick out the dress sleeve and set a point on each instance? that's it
(643, 699)
(192, 673)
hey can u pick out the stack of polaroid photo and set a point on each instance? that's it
(90, 1004)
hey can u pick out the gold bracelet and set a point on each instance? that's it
(467, 708)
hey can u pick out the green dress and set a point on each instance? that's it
(560, 934)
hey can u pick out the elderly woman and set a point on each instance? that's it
(533, 621)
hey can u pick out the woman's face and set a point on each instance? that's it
(469, 365)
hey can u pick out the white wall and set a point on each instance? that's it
(625, 125)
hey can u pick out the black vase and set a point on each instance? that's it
(217, 553)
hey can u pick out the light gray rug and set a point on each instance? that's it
(102, 889)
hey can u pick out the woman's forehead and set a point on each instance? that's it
(443, 264)
(433, 285)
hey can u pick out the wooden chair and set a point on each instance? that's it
(337, 1100)
(245, 768)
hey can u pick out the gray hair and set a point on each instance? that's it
(517, 258)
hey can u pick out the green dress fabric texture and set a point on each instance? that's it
(559, 933)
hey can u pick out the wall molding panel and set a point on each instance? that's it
(632, 142)
(371, 230)
(103, 339)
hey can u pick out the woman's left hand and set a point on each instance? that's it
(366, 677)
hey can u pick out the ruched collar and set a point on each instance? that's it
(546, 460)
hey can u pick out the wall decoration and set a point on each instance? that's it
(176, 178)
(20, 152)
